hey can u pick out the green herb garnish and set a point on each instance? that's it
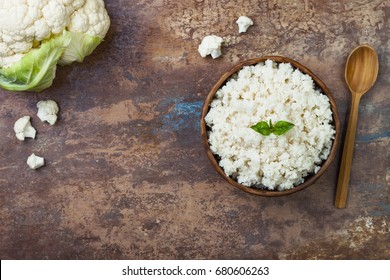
(279, 128)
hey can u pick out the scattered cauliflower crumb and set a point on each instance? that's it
(35, 162)
(47, 111)
(243, 23)
(211, 45)
(23, 128)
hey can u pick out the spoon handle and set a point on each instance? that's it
(346, 160)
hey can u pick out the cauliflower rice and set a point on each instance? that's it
(265, 91)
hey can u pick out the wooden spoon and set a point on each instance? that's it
(361, 72)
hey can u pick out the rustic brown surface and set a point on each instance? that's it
(126, 174)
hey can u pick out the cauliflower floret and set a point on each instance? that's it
(56, 16)
(74, 4)
(42, 29)
(17, 24)
(243, 23)
(9, 60)
(92, 19)
(35, 162)
(4, 49)
(47, 111)
(23, 128)
(211, 44)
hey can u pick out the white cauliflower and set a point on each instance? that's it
(243, 23)
(47, 111)
(35, 162)
(211, 45)
(23, 128)
(48, 32)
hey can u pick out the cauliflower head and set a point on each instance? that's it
(36, 35)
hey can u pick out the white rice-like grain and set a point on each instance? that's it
(262, 92)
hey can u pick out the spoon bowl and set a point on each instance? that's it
(361, 69)
(361, 72)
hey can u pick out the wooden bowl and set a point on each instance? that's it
(310, 179)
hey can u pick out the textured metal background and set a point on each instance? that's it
(126, 174)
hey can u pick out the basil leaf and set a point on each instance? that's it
(281, 127)
(262, 128)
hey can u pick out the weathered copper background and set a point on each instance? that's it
(126, 174)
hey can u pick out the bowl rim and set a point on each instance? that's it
(310, 179)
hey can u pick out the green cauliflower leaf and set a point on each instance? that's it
(37, 69)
